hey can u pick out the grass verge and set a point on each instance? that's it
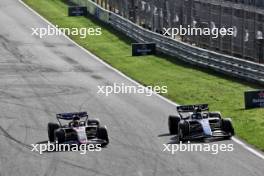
(186, 84)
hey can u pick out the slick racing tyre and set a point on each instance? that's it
(102, 134)
(180, 135)
(173, 124)
(228, 128)
(93, 122)
(183, 131)
(52, 127)
(60, 136)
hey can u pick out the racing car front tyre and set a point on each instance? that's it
(228, 128)
(52, 127)
(183, 131)
(60, 136)
(173, 124)
(102, 134)
(179, 136)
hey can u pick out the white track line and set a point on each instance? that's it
(250, 149)
(244, 145)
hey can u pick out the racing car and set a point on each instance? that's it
(196, 122)
(79, 129)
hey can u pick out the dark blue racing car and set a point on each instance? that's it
(196, 122)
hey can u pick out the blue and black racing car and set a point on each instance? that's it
(196, 122)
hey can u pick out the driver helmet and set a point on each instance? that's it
(75, 121)
(198, 113)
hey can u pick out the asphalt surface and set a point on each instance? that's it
(42, 77)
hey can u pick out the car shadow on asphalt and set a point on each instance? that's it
(174, 140)
(165, 134)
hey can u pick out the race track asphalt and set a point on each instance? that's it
(42, 77)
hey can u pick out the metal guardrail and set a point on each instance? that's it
(229, 65)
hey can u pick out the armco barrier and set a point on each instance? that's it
(229, 65)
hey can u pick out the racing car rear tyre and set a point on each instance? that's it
(102, 134)
(60, 136)
(52, 127)
(228, 128)
(93, 122)
(173, 124)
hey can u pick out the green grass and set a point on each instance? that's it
(186, 84)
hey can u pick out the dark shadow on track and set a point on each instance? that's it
(174, 139)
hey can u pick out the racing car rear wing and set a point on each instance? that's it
(192, 108)
(71, 115)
